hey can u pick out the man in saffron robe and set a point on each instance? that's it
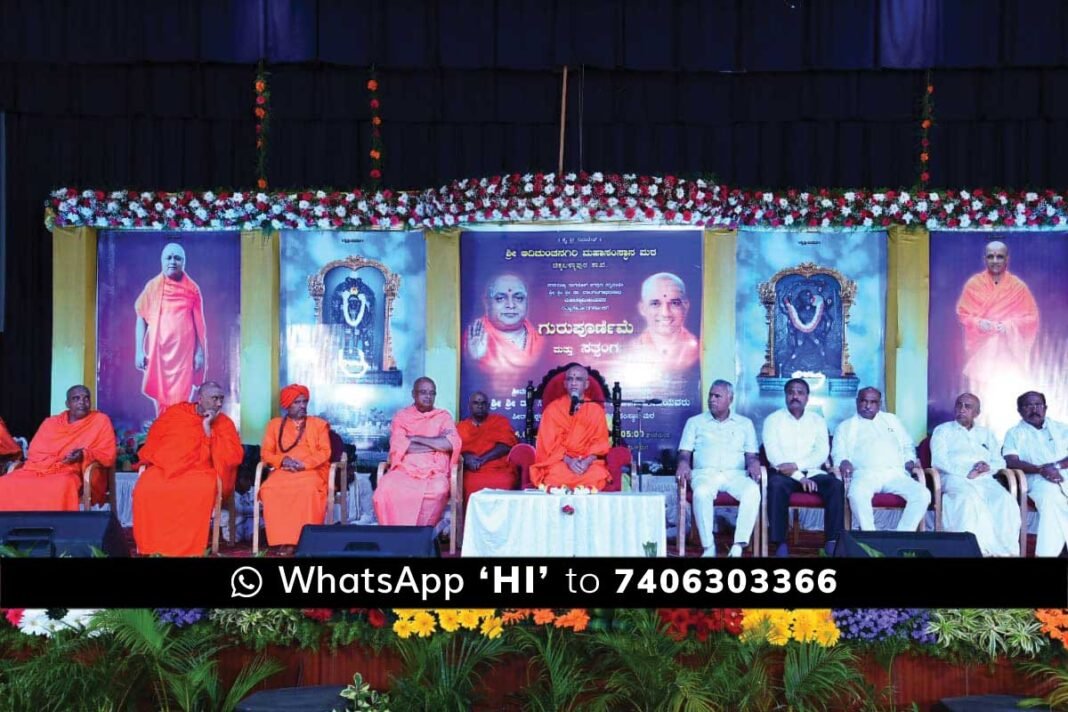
(1000, 319)
(487, 439)
(666, 341)
(504, 339)
(51, 477)
(9, 448)
(423, 447)
(171, 336)
(297, 447)
(572, 440)
(188, 447)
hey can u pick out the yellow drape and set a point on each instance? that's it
(260, 289)
(908, 290)
(443, 316)
(719, 285)
(73, 312)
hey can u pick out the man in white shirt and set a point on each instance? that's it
(1038, 439)
(717, 450)
(876, 451)
(968, 456)
(795, 442)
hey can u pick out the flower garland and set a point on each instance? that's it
(261, 110)
(375, 173)
(572, 198)
(926, 122)
(795, 318)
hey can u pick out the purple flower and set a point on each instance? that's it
(180, 617)
(878, 624)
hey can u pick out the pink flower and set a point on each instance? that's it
(13, 615)
(567, 509)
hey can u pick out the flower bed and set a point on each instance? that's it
(530, 658)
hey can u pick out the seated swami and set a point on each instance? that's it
(188, 447)
(423, 447)
(487, 439)
(572, 440)
(51, 477)
(297, 447)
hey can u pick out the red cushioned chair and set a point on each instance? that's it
(798, 500)
(685, 495)
(618, 460)
(884, 500)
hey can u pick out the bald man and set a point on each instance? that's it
(51, 477)
(666, 341)
(504, 339)
(171, 336)
(999, 317)
(423, 447)
(572, 439)
(968, 456)
(487, 439)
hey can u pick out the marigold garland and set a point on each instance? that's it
(375, 172)
(261, 110)
(926, 122)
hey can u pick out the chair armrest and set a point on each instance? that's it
(1010, 481)
(262, 470)
(12, 466)
(935, 477)
(87, 482)
(456, 480)
(382, 468)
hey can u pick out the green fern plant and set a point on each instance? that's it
(442, 672)
(1057, 699)
(560, 671)
(815, 677)
(984, 634)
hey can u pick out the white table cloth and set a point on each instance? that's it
(533, 523)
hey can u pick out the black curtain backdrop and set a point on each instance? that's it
(758, 93)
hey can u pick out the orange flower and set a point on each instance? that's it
(576, 619)
(372, 85)
(377, 121)
(930, 88)
(515, 616)
(375, 154)
(261, 86)
(543, 616)
(923, 157)
(262, 184)
(260, 112)
(926, 124)
(259, 143)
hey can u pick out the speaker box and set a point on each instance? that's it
(51, 534)
(363, 541)
(907, 544)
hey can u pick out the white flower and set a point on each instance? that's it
(783, 203)
(931, 223)
(1050, 211)
(261, 197)
(825, 203)
(893, 210)
(1031, 197)
(528, 188)
(992, 215)
(320, 194)
(238, 197)
(158, 207)
(867, 222)
(850, 195)
(303, 205)
(597, 177)
(965, 195)
(922, 206)
(876, 210)
(209, 196)
(1002, 199)
(825, 222)
(904, 197)
(950, 207)
(907, 217)
(323, 223)
(804, 196)
(845, 210)
(934, 197)
(788, 220)
(767, 197)
(965, 221)
(976, 205)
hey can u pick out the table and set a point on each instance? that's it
(533, 523)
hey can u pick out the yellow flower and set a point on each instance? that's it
(407, 613)
(492, 627)
(403, 628)
(469, 618)
(828, 635)
(423, 624)
(448, 619)
(807, 625)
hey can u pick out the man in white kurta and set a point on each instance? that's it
(1039, 446)
(795, 442)
(968, 456)
(718, 453)
(874, 449)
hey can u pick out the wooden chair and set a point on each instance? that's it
(216, 512)
(758, 545)
(15, 461)
(108, 473)
(456, 501)
(338, 474)
(1012, 480)
(798, 500)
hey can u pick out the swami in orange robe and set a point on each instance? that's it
(486, 440)
(416, 488)
(297, 447)
(1000, 319)
(567, 441)
(51, 477)
(8, 447)
(171, 331)
(174, 496)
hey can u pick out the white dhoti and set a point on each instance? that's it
(868, 482)
(984, 508)
(707, 483)
(1052, 505)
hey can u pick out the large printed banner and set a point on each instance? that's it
(809, 305)
(627, 303)
(168, 319)
(353, 326)
(998, 323)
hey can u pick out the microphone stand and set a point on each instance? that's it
(641, 431)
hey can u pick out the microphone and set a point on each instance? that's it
(574, 403)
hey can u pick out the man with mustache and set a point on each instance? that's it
(795, 442)
(718, 452)
(572, 439)
(666, 341)
(51, 477)
(504, 339)
(968, 456)
(188, 448)
(874, 449)
(171, 336)
(1039, 446)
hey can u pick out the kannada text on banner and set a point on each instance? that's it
(624, 302)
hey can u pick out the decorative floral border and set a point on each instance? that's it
(545, 197)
